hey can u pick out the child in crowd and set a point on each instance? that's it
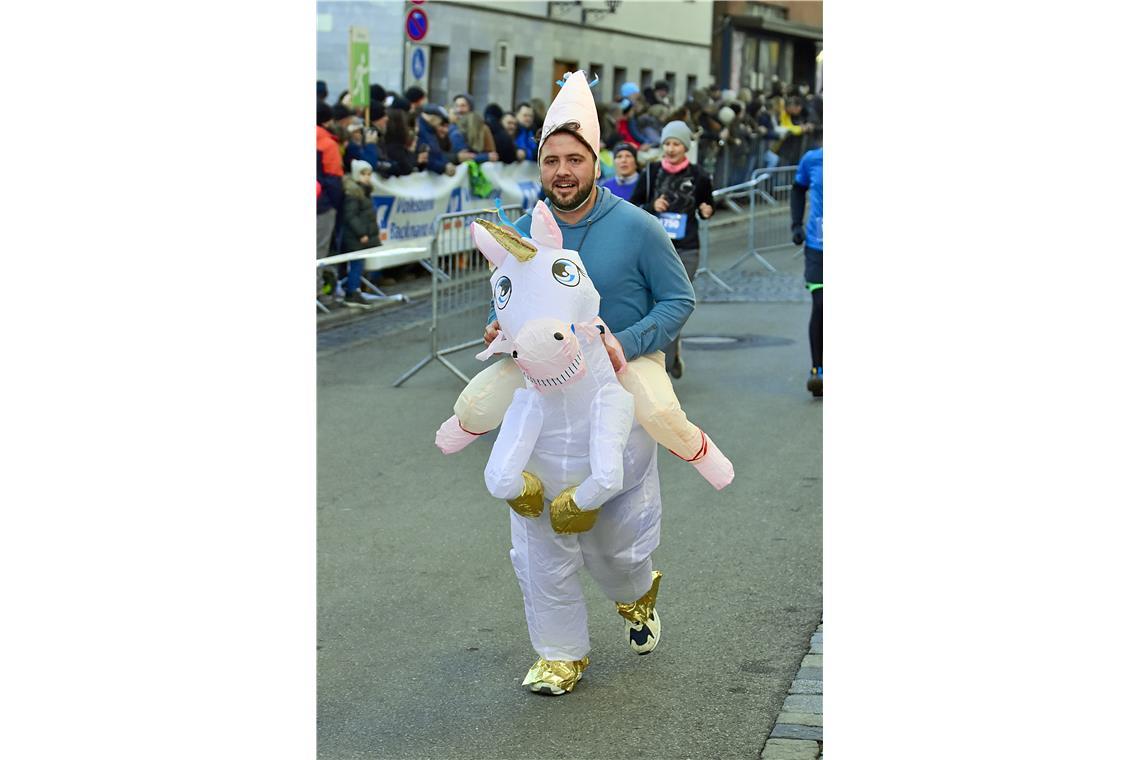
(360, 229)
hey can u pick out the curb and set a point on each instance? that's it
(798, 733)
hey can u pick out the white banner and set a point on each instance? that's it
(407, 206)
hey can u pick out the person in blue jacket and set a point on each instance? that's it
(808, 185)
(431, 136)
(525, 139)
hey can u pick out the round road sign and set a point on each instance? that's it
(416, 25)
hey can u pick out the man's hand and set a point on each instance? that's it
(466, 155)
(489, 332)
(364, 239)
(521, 154)
(614, 349)
(422, 158)
(660, 204)
(492, 156)
(706, 210)
(798, 234)
(449, 170)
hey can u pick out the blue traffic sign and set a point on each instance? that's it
(416, 24)
(419, 63)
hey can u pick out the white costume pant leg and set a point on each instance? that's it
(618, 551)
(547, 565)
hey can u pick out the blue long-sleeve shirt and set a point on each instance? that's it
(526, 140)
(425, 135)
(646, 295)
(809, 176)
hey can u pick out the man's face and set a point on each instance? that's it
(674, 149)
(461, 106)
(526, 117)
(441, 129)
(567, 171)
(625, 163)
(510, 123)
(794, 109)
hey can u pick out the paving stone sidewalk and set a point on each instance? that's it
(798, 733)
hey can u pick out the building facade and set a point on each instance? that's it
(754, 41)
(508, 52)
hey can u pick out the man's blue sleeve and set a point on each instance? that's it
(670, 289)
(803, 172)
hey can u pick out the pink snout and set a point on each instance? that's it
(549, 354)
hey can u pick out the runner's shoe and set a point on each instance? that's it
(815, 381)
(642, 621)
(555, 677)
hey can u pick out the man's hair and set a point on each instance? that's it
(523, 104)
(414, 94)
(570, 128)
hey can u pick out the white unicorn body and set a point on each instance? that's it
(571, 424)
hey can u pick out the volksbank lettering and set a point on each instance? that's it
(413, 205)
(401, 231)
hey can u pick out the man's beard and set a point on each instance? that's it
(575, 201)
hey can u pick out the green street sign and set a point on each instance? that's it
(358, 65)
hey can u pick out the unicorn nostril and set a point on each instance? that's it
(558, 336)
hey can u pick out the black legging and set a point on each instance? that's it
(815, 327)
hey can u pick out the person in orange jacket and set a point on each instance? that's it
(331, 164)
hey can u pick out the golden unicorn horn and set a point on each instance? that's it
(514, 245)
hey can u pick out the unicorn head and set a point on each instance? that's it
(544, 300)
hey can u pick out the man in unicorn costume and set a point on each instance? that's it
(645, 299)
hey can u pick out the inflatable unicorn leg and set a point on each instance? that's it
(618, 555)
(480, 407)
(660, 413)
(546, 565)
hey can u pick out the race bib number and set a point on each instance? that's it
(674, 224)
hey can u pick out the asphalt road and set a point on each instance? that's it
(422, 640)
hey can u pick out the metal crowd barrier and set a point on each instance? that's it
(769, 224)
(460, 288)
(769, 194)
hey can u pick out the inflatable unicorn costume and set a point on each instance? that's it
(574, 457)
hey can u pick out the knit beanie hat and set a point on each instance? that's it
(626, 147)
(358, 168)
(678, 130)
(324, 112)
(574, 103)
(629, 89)
(436, 110)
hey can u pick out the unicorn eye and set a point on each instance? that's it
(502, 292)
(566, 272)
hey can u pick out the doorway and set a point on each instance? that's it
(560, 68)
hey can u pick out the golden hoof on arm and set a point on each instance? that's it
(554, 677)
(529, 502)
(566, 517)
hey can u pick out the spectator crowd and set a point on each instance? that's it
(736, 132)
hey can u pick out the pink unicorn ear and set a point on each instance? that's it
(543, 229)
(488, 246)
(500, 345)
